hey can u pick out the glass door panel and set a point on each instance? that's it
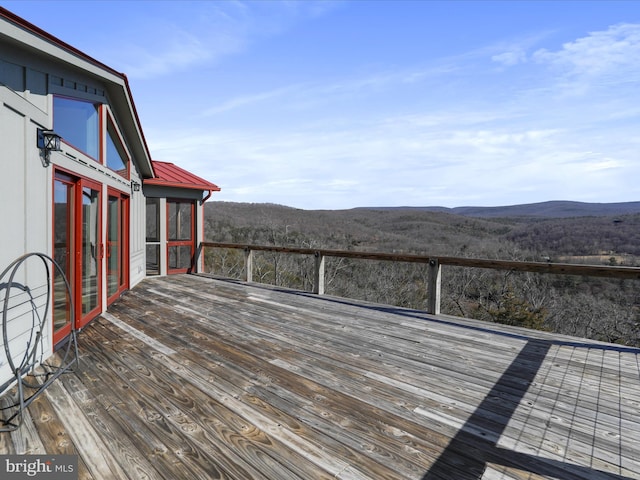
(153, 236)
(179, 219)
(63, 220)
(180, 257)
(113, 245)
(117, 244)
(91, 252)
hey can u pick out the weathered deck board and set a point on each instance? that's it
(191, 377)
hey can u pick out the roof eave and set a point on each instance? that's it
(188, 186)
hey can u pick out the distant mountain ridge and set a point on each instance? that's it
(550, 209)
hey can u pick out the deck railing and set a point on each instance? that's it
(433, 262)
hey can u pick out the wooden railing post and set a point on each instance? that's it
(433, 286)
(198, 260)
(248, 265)
(318, 286)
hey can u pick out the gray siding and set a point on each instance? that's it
(25, 193)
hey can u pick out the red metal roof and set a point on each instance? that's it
(170, 175)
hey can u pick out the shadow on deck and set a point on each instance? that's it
(192, 377)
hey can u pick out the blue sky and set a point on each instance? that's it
(331, 105)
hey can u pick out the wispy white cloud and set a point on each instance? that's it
(604, 164)
(163, 44)
(310, 95)
(250, 100)
(177, 50)
(612, 52)
(513, 51)
(512, 57)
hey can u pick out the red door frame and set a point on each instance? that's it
(181, 243)
(122, 268)
(69, 266)
(75, 249)
(83, 319)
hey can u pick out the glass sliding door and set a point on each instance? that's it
(117, 244)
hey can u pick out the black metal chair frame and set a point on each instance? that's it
(29, 361)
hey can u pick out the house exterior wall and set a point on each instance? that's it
(28, 81)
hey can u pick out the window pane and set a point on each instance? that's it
(172, 221)
(90, 254)
(77, 122)
(153, 219)
(185, 221)
(63, 216)
(179, 257)
(116, 158)
(179, 221)
(113, 246)
(153, 259)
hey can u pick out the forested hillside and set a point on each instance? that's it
(603, 309)
(552, 209)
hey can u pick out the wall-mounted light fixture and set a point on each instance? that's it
(135, 186)
(47, 141)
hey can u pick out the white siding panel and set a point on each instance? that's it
(38, 201)
(12, 201)
(12, 182)
(25, 189)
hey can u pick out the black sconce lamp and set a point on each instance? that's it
(135, 186)
(47, 141)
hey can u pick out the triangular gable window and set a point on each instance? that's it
(117, 158)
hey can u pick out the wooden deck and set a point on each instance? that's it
(188, 377)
